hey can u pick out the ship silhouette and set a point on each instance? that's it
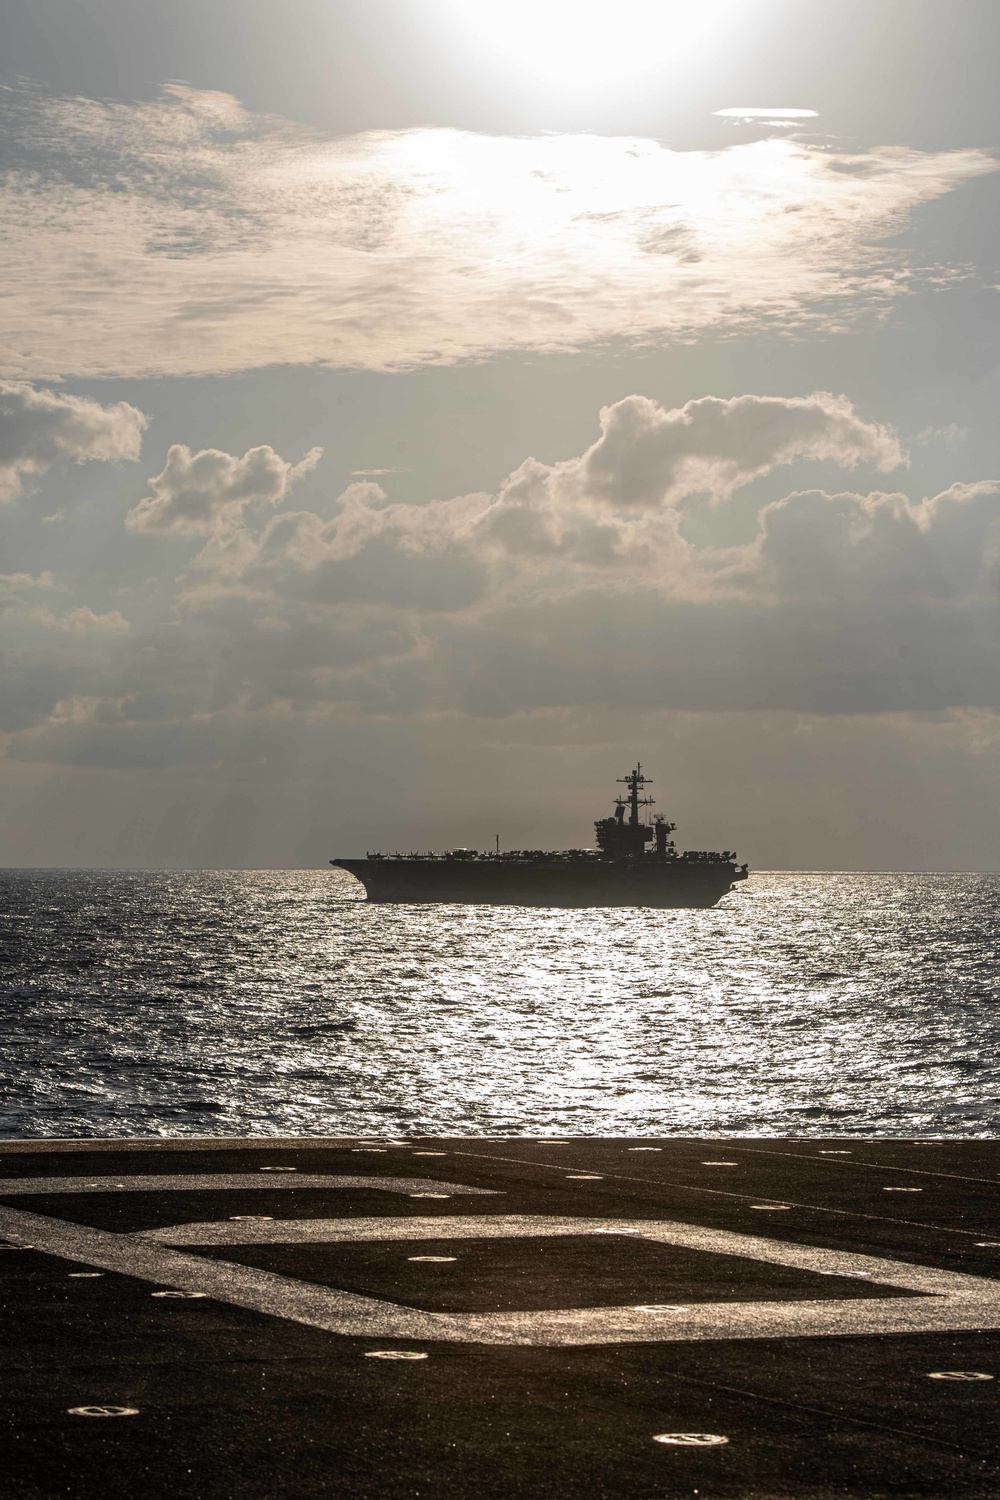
(636, 863)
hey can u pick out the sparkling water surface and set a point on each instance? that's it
(277, 1003)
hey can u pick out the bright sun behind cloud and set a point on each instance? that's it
(576, 46)
(391, 250)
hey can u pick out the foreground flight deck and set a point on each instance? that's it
(500, 1318)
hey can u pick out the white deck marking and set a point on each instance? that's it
(947, 1301)
(691, 1439)
(218, 1182)
(692, 1187)
(394, 1354)
(103, 1411)
(871, 1166)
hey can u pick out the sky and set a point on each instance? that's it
(413, 412)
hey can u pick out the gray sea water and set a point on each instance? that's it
(279, 1003)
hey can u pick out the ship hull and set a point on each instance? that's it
(588, 884)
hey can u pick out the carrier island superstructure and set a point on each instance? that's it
(636, 863)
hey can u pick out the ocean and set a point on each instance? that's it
(278, 1003)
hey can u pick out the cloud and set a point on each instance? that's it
(842, 603)
(40, 428)
(575, 584)
(866, 552)
(202, 238)
(951, 432)
(764, 112)
(84, 621)
(614, 507)
(647, 456)
(19, 583)
(777, 119)
(612, 581)
(199, 493)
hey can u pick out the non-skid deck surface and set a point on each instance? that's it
(488, 1318)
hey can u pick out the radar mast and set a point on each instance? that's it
(636, 782)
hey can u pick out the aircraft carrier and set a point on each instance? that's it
(636, 863)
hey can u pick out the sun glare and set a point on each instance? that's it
(575, 46)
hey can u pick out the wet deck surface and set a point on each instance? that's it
(500, 1318)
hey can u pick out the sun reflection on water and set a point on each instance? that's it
(277, 1003)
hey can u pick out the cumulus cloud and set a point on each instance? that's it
(524, 600)
(19, 583)
(647, 456)
(847, 550)
(842, 603)
(614, 507)
(405, 556)
(576, 586)
(203, 238)
(84, 621)
(41, 428)
(198, 493)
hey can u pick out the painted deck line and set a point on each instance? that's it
(215, 1182)
(247, 1381)
(929, 1280)
(848, 1161)
(611, 1176)
(949, 1301)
